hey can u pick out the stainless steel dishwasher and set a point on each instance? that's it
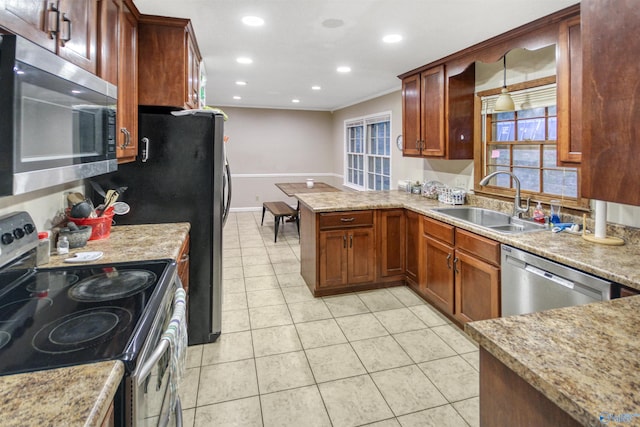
(531, 283)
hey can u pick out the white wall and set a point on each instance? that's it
(42, 205)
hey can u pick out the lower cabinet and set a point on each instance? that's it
(346, 257)
(391, 243)
(462, 272)
(412, 247)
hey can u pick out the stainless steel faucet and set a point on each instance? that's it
(517, 209)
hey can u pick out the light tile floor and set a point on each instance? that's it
(381, 358)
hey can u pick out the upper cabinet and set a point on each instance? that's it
(66, 27)
(611, 100)
(569, 87)
(430, 127)
(169, 58)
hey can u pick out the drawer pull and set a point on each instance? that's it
(449, 261)
(347, 219)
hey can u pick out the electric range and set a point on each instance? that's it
(64, 316)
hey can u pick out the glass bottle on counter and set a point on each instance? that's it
(63, 245)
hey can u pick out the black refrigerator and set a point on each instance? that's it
(181, 175)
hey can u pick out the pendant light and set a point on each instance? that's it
(504, 101)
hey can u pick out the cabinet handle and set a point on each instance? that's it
(455, 265)
(53, 25)
(344, 241)
(127, 138)
(347, 219)
(145, 149)
(351, 240)
(449, 261)
(184, 259)
(65, 32)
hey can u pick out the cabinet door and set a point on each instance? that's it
(460, 118)
(569, 87)
(30, 19)
(127, 147)
(477, 288)
(193, 74)
(77, 39)
(432, 103)
(411, 112)
(108, 17)
(611, 100)
(361, 259)
(333, 258)
(391, 242)
(438, 283)
(413, 235)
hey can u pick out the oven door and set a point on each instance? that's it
(154, 397)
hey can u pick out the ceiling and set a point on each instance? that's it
(302, 42)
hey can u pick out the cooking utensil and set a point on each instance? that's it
(75, 198)
(81, 210)
(109, 199)
(121, 208)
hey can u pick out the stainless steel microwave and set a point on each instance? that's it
(57, 120)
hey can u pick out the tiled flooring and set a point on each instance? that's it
(380, 358)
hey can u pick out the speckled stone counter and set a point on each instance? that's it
(81, 395)
(584, 359)
(133, 243)
(74, 396)
(616, 263)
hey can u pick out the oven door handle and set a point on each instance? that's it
(170, 335)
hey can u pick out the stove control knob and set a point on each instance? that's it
(7, 238)
(29, 228)
(18, 233)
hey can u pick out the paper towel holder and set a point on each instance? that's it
(600, 235)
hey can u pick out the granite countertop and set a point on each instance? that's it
(133, 243)
(72, 396)
(582, 358)
(80, 395)
(615, 263)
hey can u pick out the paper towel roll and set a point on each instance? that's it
(601, 219)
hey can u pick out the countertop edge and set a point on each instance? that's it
(106, 395)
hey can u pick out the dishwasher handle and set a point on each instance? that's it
(550, 276)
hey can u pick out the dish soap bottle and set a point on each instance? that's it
(538, 213)
(63, 245)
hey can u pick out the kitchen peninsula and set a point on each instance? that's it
(579, 360)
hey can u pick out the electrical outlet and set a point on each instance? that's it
(460, 183)
(257, 198)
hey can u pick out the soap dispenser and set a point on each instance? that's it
(538, 213)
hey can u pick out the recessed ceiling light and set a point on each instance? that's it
(253, 21)
(315, 88)
(295, 101)
(392, 38)
(343, 69)
(76, 91)
(241, 83)
(244, 60)
(237, 97)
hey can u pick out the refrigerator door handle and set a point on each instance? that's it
(145, 149)
(227, 184)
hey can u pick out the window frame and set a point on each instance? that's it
(482, 124)
(365, 122)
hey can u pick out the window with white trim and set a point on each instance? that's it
(368, 152)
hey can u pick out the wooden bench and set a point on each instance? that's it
(280, 210)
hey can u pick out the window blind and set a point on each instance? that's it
(541, 96)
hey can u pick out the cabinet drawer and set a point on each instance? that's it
(438, 230)
(348, 219)
(484, 248)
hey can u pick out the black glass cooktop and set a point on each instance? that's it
(66, 316)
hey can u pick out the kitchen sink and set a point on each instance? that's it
(492, 220)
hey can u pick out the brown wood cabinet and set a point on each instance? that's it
(462, 272)
(171, 57)
(508, 400)
(611, 100)
(118, 64)
(437, 119)
(391, 242)
(66, 27)
(569, 90)
(346, 249)
(477, 277)
(109, 418)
